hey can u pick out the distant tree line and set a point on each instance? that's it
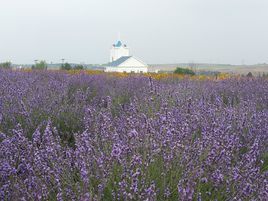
(250, 74)
(42, 65)
(6, 65)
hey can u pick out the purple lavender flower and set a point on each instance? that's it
(99, 137)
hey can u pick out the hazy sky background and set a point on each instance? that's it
(157, 31)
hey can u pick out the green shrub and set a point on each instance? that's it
(66, 66)
(79, 67)
(184, 71)
(250, 74)
(41, 65)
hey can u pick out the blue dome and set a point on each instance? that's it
(118, 44)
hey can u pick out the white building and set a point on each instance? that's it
(121, 61)
(118, 50)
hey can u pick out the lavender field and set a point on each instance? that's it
(99, 137)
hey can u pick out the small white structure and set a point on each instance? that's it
(121, 61)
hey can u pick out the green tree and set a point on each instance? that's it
(79, 67)
(66, 66)
(184, 71)
(6, 65)
(41, 65)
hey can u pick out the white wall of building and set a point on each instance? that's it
(127, 69)
(131, 65)
(117, 52)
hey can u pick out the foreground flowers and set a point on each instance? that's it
(81, 137)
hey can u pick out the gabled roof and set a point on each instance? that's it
(119, 61)
(139, 60)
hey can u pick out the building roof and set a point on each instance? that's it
(119, 61)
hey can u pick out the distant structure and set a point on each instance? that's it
(121, 61)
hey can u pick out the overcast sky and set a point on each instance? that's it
(157, 31)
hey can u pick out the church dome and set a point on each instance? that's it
(118, 44)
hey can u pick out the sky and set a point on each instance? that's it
(157, 31)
